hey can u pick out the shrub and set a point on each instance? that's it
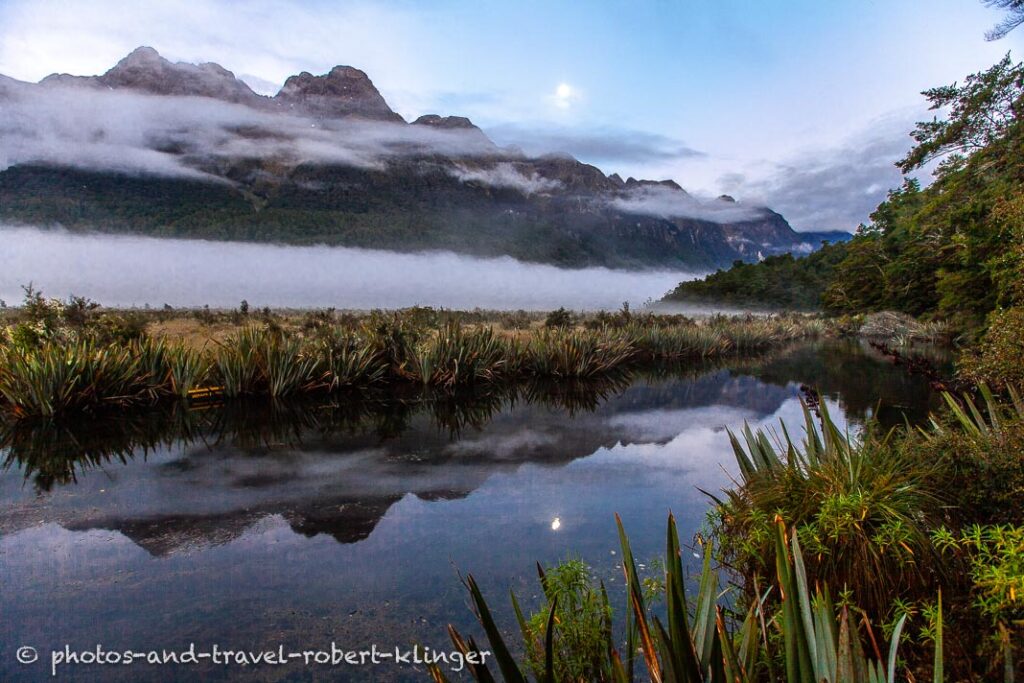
(978, 453)
(56, 378)
(999, 361)
(119, 328)
(348, 359)
(584, 621)
(995, 556)
(559, 318)
(455, 356)
(260, 360)
(863, 508)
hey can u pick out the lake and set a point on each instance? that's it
(259, 524)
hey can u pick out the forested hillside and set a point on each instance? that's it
(952, 250)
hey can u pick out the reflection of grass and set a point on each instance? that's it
(54, 451)
(50, 377)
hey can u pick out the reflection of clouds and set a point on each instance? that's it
(659, 425)
(502, 445)
(694, 450)
(345, 484)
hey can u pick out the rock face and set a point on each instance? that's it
(144, 70)
(438, 182)
(445, 122)
(341, 93)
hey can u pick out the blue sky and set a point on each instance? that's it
(801, 105)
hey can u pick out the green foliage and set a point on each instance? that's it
(978, 454)
(995, 555)
(559, 318)
(348, 358)
(981, 111)
(53, 378)
(48, 361)
(777, 282)
(812, 638)
(998, 360)
(456, 356)
(583, 617)
(558, 352)
(263, 361)
(860, 506)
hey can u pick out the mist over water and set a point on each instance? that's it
(118, 270)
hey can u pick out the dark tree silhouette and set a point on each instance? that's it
(1014, 17)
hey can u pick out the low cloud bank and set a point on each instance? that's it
(134, 271)
(608, 144)
(666, 202)
(508, 176)
(191, 136)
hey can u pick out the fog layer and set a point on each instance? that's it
(134, 271)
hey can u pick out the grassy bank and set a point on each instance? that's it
(65, 357)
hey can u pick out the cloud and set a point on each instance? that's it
(835, 188)
(604, 144)
(131, 270)
(187, 136)
(667, 202)
(507, 175)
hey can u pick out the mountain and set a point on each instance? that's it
(186, 150)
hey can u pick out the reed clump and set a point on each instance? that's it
(863, 507)
(53, 366)
(790, 632)
(561, 352)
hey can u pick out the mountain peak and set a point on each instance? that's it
(342, 92)
(144, 70)
(142, 56)
(448, 122)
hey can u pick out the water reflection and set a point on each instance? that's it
(349, 518)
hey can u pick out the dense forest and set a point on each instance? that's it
(782, 281)
(953, 250)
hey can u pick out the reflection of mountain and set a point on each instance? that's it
(337, 470)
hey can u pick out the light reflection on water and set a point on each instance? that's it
(306, 532)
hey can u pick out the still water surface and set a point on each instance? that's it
(302, 525)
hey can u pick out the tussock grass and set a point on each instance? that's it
(49, 375)
(863, 507)
(57, 378)
(558, 352)
(459, 356)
